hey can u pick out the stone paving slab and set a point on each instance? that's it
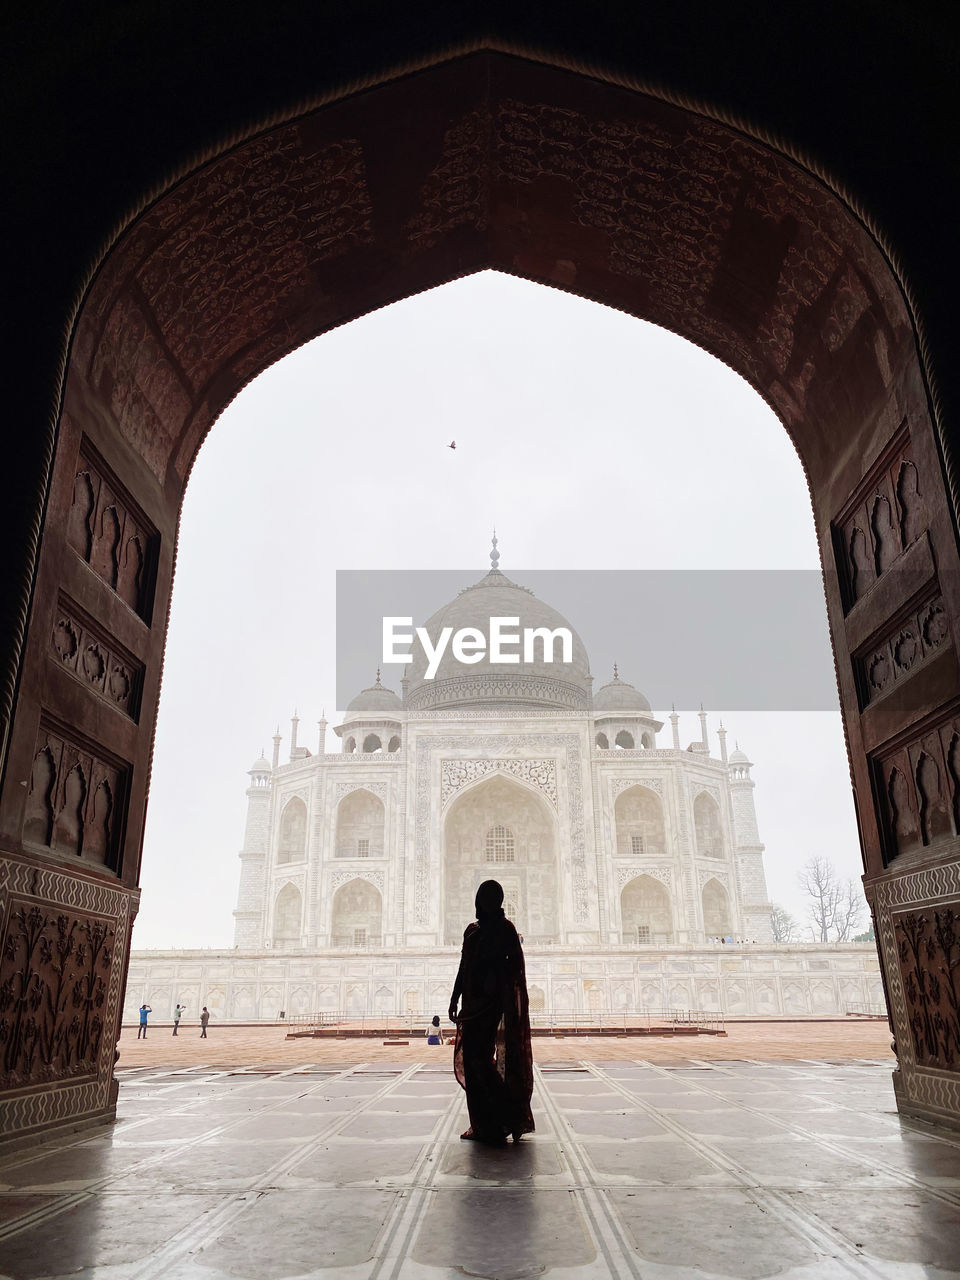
(638, 1170)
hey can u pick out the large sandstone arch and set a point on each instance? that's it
(501, 829)
(580, 182)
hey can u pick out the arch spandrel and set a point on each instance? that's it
(515, 166)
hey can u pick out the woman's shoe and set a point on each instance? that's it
(469, 1136)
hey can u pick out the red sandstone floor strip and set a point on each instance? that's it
(257, 1046)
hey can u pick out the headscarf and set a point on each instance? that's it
(489, 901)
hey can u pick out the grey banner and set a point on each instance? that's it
(747, 640)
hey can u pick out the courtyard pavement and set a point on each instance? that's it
(679, 1170)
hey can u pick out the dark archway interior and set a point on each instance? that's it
(574, 180)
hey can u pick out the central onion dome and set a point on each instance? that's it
(557, 684)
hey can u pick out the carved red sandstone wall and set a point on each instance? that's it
(54, 976)
(566, 180)
(928, 948)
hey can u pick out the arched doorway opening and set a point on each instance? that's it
(617, 195)
(288, 917)
(639, 817)
(646, 917)
(356, 915)
(360, 825)
(500, 829)
(716, 910)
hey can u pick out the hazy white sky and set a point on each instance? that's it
(591, 440)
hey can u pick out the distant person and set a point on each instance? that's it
(177, 1015)
(204, 1019)
(144, 1010)
(434, 1032)
(493, 1058)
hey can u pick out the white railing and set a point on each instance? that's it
(645, 1021)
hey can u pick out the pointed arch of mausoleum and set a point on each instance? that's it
(708, 825)
(639, 820)
(646, 912)
(356, 914)
(501, 828)
(715, 901)
(562, 170)
(292, 834)
(288, 915)
(361, 818)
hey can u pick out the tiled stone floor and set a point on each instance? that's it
(662, 1171)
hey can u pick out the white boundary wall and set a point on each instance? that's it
(759, 979)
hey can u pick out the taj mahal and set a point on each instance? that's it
(632, 867)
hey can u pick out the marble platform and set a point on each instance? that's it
(740, 1169)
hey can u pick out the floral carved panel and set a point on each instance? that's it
(918, 789)
(76, 799)
(96, 660)
(55, 973)
(107, 530)
(885, 515)
(928, 952)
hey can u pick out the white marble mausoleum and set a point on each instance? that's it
(623, 858)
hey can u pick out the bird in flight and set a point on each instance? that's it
(452, 444)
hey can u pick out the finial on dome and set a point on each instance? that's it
(378, 685)
(494, 553)
(616, 672)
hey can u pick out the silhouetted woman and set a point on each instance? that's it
(493, 1059)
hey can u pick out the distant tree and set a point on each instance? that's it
(784, 925)
(850, 909)
(866, 937)
(835, 906)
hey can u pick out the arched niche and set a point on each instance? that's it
(356, 916)
(716, 910)
(394, 744)
(646, 917)
(288, 915)
(372, 745)
(361, 818)
(706, 822)
(638, 814)
(500, 829)
(292, 838)
(624, 740)
(602, 742)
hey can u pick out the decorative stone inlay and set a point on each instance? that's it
(341, 789)
(456, 774)
(704, 874)
(91, 906)
(661, 873)
(697, 787)
(928, 951)
(624, 784)
(567, 744)
(338, 878)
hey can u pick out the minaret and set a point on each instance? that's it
(722, 735)
(675, 727)
(703, 729)
(248, 916)
(322, 726)
(294, 726)
(276, 748)
(754, 904)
